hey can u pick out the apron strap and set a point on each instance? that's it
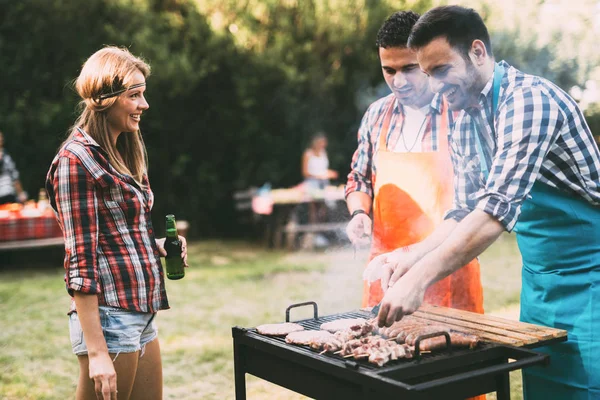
(498, 75)
(442, 132)
(387, 118)
(443, 129)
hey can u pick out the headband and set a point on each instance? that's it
(118, 92)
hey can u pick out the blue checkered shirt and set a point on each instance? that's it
(540, 135)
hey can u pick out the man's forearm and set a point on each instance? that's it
(359, 201)
(475, 233)
(435, 239)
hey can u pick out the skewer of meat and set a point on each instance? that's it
(379, 350)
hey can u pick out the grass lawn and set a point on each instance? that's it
(229, 283)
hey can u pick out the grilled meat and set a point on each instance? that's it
(279, 329)
(413, 335)
(456, 339)
(376, 349)
(353, 324)
(353, 337)
(309, 338)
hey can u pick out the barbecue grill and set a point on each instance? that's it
(447, 374)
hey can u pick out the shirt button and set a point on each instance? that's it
(150, 231)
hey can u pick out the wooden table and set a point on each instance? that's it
(285, 224)
(282, 224)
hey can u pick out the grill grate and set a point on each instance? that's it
(315, 324)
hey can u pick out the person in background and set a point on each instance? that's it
(11, 190)
(317, 175)
(315, 164)
(401, 171)
(99, 189)
(525, 160)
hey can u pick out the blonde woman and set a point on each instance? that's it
(99, 189)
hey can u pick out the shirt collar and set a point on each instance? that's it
(486, 93)
(485, 97)
(82, 137)
(436, 104)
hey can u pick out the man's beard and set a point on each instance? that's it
(474, 84)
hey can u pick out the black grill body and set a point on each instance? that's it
(448, 374)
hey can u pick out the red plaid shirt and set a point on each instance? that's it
(110, 248)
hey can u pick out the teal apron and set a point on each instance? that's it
(559, 239)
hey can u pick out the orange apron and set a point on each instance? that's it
(412, 191)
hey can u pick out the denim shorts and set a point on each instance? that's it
(124, 331)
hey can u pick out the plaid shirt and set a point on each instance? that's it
(110, 248)
(363, 169)
(541, 135)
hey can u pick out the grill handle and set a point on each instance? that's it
(526, 358)
(428, 336)
(306, 303)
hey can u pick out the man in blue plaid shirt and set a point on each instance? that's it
(524, 160)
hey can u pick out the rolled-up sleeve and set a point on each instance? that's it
(361, 168)
(529, 122)
(77, 209)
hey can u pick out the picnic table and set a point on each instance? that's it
(28, 226)
(281, 207)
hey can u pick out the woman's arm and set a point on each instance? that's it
(305, 173)
(76, 202)
(76, 205)
(102, 370)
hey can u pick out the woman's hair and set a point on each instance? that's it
(107, 71)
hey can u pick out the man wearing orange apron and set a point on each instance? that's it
(402, 169)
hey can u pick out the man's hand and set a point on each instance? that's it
(160, 243)
(397, 263)
(403, 298)
(375, 269)
(102, 372)
(359, 230)
(389, 267)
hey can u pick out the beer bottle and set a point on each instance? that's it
(175, 267)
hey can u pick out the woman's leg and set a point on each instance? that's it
(148, 383)
(125, 367)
